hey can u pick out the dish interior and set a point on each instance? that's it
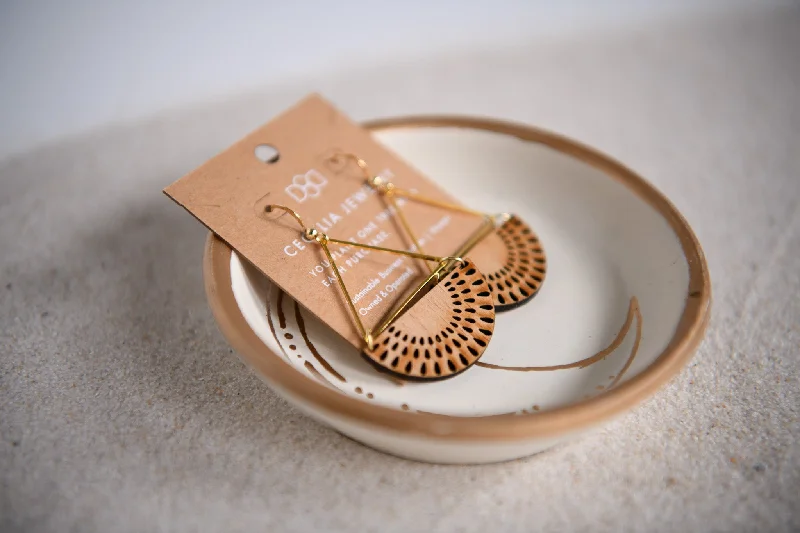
(617, 283)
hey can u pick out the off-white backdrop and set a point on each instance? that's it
(67, 67)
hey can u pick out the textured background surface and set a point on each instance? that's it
(122, 408)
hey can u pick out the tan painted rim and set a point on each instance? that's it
(505, 427)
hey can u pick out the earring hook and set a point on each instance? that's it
(272, 207)
(372, 179)
(310, 233)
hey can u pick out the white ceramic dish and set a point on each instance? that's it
(626, 283)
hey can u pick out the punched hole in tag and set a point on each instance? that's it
(266, 153)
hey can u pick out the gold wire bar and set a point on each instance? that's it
(477, 236)
(389, 189)
(392, 315)
(444, 267)
(406, 225)
(415, 255)
(410, 195)
(367, 336)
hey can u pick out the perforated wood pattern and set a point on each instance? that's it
(523, 273)
(444, 333)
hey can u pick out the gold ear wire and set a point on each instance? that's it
(360, 162)
(271, 207)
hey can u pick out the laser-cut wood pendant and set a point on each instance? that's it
(445, 332)
(439, 330)
(523, 273)
(512, 283)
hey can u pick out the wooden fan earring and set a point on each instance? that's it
(441, 329)
(513, 281)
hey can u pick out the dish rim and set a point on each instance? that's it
(502, 427)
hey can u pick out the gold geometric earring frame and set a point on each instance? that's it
(441, 329)
(524, 270)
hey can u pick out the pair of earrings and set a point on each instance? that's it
(443, 327)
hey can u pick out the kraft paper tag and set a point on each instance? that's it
(228, 194)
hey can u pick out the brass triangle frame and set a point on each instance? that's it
(444, 266)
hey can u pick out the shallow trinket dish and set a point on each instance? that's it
(624, 306)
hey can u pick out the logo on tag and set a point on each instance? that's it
(305, 186)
